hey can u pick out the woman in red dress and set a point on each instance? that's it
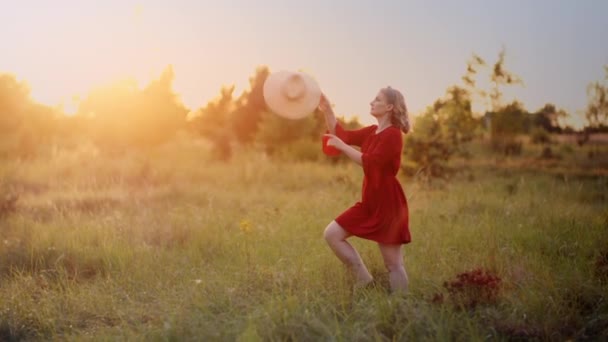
(382, 213)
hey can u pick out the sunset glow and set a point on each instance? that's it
(64, 49)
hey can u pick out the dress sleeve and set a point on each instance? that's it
(353, 137)
(388, 148)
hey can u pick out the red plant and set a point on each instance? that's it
(474, 287)
(601, 266)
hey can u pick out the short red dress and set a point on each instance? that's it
(382, 214)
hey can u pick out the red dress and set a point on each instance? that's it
(382, 214)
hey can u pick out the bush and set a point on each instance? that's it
(8, 205)
(475, 287)
(300, 150)
(566, 148)
(601, 266)
(20, 256)
(507, 145)
(547, 153)
(539, 135)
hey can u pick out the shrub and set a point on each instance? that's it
(507, 145)
(475, 287)
(8, 205)
(539, 135)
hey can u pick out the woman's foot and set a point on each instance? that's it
(359, 284)
(362, 276)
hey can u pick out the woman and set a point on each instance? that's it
(382, 213)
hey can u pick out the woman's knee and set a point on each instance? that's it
(392, 257)
(333, 232)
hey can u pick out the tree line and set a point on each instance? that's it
(121, 116)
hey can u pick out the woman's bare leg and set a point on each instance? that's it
(336, 239)
(393, 260)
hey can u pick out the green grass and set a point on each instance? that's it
(167, 245)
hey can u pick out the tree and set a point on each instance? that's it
(250, 106)
(123, 116)
(25, 125)
(279, 135)
(506, 124)
(300, 139)
(503, 122)
(548, 118)
(14, 102)
(440, 133)
(460, 125)
(213, 122)
(501, 77)
(597, 106)
(474, 65)
(162, 113)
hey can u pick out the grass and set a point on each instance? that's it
(168, 245)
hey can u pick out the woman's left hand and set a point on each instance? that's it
(335, 141)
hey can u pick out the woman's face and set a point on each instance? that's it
(380, 105)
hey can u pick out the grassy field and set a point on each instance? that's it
(168, 245)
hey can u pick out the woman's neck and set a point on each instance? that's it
(383, 123)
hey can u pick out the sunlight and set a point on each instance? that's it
(138, 11)
(150, 188)
(70, 107)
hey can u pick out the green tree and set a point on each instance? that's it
(501, 77)
(25, 126)
(122, 116)
(214, 123)
(14, 103)
(474, 66)
(548, 118)
(440, 133)
(506, 124)
(503, 128)
(276, 133)
(597, 106)
(162, 111)
(249, 107)
(353, 123)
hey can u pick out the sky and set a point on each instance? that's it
(64, 48)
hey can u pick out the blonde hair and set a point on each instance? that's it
(399, 115)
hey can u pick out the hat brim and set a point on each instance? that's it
(284, 107)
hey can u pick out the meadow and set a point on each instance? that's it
(170, 245)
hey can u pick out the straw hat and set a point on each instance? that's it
(290, 94)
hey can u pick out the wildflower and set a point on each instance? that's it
(245, 226)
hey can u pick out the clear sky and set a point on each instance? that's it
(65, 47)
